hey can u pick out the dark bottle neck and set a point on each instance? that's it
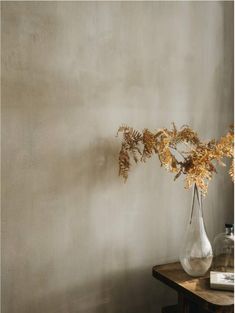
(229, 231)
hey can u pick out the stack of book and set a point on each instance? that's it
(222, 280)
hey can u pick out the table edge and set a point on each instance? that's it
(187, 292)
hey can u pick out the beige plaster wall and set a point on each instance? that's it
(74, 237)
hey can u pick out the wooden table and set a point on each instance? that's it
(194, 294)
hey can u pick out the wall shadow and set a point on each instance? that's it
(130, 291)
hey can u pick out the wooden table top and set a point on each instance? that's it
(197, 289)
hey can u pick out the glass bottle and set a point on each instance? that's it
(196, 252)
(223, 248)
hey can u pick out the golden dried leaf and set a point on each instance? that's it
(197, 163)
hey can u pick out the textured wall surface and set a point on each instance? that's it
(74, 237)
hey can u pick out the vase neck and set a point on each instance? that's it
(196, 210)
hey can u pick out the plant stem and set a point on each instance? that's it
(178, 152)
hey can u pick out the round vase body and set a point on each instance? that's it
(196, 253)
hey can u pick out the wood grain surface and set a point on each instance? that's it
(196, 289)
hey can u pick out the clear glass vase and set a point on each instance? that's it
(223, 250)
(196, 253)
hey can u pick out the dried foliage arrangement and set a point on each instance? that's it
(179, 151)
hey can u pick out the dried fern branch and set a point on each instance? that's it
(197, 162)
